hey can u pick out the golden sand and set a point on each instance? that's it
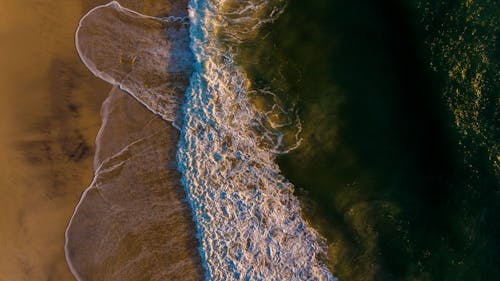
(49, 118)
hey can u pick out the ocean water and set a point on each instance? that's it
(317, 139)
(399, 106)
(248, 221)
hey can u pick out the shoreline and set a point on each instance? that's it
(134, 216)
(50, 116)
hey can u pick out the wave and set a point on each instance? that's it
(248, 221)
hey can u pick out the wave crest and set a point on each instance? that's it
(247, 217)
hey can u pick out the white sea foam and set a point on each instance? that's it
(248, 219)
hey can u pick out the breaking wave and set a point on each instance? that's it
(248, 221)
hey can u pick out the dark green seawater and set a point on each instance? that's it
(399, 103)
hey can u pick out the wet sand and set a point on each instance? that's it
(49, 116)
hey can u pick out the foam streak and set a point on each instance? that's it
(248, 220)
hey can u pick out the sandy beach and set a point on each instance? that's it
(50, 115)
(133, 223)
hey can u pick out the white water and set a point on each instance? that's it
(248, 220)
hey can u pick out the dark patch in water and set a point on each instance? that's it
(381, 172)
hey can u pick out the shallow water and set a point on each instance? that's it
(132, 222)
(248, 221)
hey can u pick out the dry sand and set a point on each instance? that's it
(49, 118)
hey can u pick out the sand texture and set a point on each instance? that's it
(49, 119)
